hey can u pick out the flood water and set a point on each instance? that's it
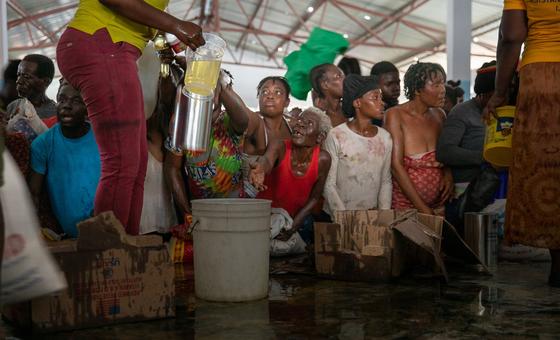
(514, 304)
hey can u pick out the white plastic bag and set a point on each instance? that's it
(148, 73)
(279, 220)
(28, 268)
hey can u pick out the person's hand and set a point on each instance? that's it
(295, 112)
(489, 111)
(190, 34)
(446, 187)
(166, 56)
(181, 61)
(285, 235)
(426, 210)
(256, 176)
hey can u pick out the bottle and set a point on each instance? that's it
(176, 45)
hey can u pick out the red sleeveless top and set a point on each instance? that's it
(287, 190)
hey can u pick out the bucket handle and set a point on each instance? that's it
(194, 223)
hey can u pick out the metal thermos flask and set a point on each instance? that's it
(178, 123)
(198, 119)
(481, 235)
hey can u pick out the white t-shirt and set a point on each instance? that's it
(360, 174)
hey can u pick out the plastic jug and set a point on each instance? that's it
(203, 65)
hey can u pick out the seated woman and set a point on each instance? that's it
(419, 180)
(360, 175)
(297, 170)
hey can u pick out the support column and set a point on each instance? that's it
(459, 29)
(3, 34)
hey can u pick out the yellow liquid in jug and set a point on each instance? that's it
(202, 76)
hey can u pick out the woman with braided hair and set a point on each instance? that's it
(326, 81)
(419, 180)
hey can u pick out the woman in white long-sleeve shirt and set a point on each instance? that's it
(360, 174)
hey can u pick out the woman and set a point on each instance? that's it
(97, 54)
(360, 174)
(274, 97)
(326, 80)
(534, 178)
(158, 212)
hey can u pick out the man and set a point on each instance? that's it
(297, 171)
(65, 160)
(419, 180)
(389, 82)
(35, 74)
(462, 137)
(8, 92)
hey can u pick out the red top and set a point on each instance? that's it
(287, 190)
(49, 122)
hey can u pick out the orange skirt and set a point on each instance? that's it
(533, 203)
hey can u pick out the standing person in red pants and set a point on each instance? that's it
(97, 54)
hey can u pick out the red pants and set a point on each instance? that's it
(107, 77)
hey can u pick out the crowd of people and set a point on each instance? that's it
(357, 148)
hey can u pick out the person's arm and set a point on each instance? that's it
(172, 168)
(39, 164)
(265, 163)
(316, 191)
(145, 14)
(242, 118)
(385, 192)
(393, 125)
(448, 150)
(36, 181)
(513, 32)
(334, 203)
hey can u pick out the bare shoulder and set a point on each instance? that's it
(438, 114)
(324, 156)
(324, 160)
(395, 112)
(393, 116)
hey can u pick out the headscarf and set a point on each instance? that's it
(354, 87)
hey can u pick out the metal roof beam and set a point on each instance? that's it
(316, 4)
(387, 17)
(15, 22)
(395, 16)
(19, 10)
(249, 24)
(439, 47)
(256, 36)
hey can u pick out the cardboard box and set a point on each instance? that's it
(112, 278)
(377, 245)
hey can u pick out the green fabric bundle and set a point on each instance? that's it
(322, 47)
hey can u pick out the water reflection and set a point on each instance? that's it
(304, 307)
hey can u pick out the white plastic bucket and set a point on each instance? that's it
(231, 239)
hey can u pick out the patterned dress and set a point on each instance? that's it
(216, 173)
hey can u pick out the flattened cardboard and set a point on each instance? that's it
(131, 280)
(369, 244)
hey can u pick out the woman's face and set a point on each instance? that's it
(273, 98)
(332, 82)
(433, 93)
(371, 104)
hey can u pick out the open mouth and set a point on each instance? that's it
(65, 118)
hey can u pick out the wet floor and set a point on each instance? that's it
(515, 304)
